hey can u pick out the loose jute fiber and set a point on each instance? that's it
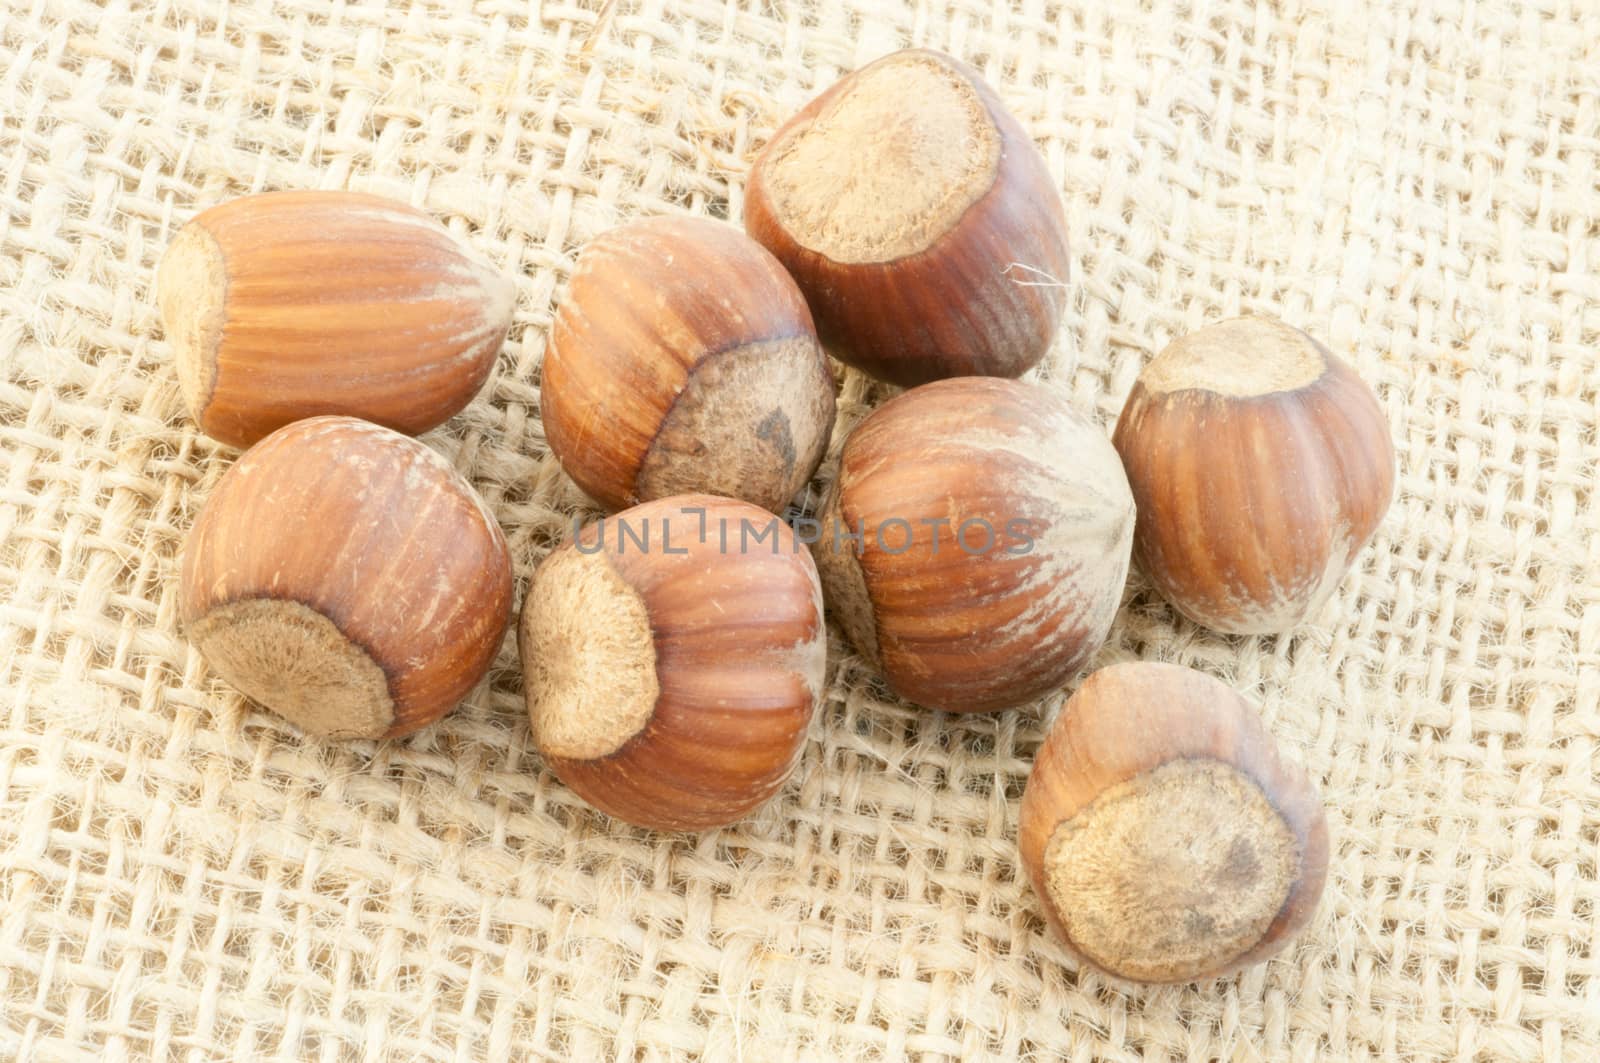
(184, 877)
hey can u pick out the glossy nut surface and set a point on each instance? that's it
(673, 657)
(1261, 465)
(683, 359)
(920, 221)
(347, 578)
(287, 305)
(994, 529)
(1164, 835)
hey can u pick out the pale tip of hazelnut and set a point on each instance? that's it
(1245, 357)
(296, 662)
(191, 293)
(500, 296)
(1175, 873)
(589, 657)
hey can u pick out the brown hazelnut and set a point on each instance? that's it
(1261, 465)
(347, 578)
(673, 656)
(683, 359)
(287, 305)
(920, 221)
(975, 542)
(1166, 838)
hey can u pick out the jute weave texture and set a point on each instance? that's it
(183, 877)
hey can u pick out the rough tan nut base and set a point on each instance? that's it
(588, 656)
(750, 423)
(297, 663)
(889, 167)
(192, 289)
(1243, 358)
(839, 568)
(1172, 874)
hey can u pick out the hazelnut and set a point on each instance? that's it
(920, 221)
(673, 656)
(975, 542)
(683, 359)
(347, 578)
(1165, 836)
(1261, 465)
(286, 305)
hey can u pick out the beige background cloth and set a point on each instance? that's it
(182, 877)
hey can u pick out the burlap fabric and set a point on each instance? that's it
(184, 877)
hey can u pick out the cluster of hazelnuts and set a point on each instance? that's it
(973, 545)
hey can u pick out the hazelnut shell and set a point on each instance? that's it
(1016, 605)
(287, 305)
(1166, 838)
(683, 359)
(919, 220)
(1261, 465)
(346, 577)
(670, 679)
